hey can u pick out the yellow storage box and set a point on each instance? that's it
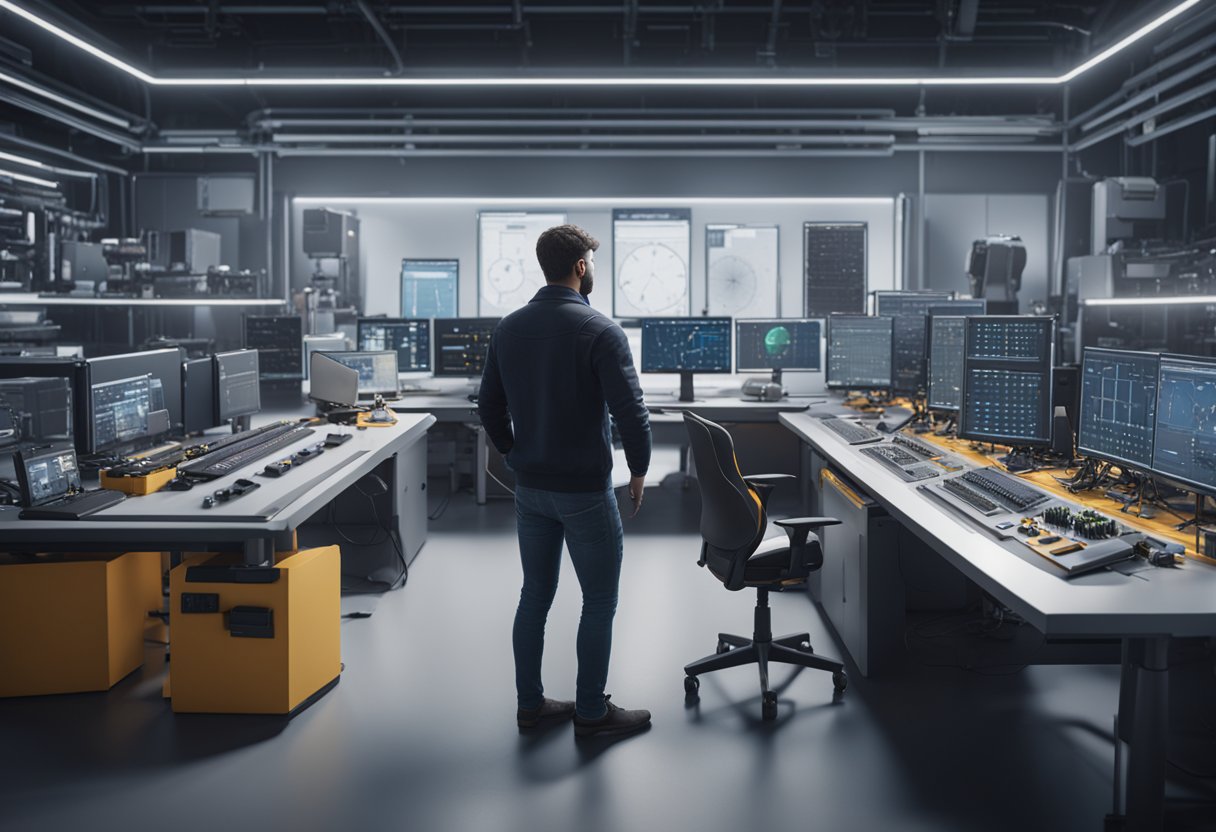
(74, 623)
(255, 640)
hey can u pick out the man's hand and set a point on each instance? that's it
(636, 493)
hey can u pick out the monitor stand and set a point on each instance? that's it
(686, 387)
(776, 375)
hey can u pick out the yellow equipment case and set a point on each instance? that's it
(75, 623)
(255, 640)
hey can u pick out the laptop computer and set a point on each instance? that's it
(49, 481)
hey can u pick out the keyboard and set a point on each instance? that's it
(1009, 489)
(237, 455)
(75, 506)
(968, 495)
(209, 446)
(909, 467)
(916, 446)
(851, 432)
(144, 465)
(893, 454)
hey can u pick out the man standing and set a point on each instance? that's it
(555, 370)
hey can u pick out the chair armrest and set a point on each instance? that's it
(806, 522)
(798, 529)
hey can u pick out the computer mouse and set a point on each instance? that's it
(180, 484)
(882, 427)
(380, 415)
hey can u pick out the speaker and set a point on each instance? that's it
(765, 391)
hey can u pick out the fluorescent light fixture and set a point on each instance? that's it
(601, 81)
(33, 180)
(21, 160)
(62, 100)
(1185, 299)
(623, 201)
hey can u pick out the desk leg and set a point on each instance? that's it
(1143, 721)
(259, 551)
(482, 457)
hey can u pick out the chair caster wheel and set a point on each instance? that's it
(839, 680)
(692, 686)
(768, 707)
(806, 647)
(722, 647)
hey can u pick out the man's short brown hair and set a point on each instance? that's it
(559, 248)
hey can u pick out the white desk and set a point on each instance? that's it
(1145, 610)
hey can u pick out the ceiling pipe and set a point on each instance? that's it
(54, 151)
(381, 33)
(590, 138)
(1171, 127)
(1151, 113)
(1151, 93)
(26, 103)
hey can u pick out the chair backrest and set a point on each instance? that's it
(733, 521)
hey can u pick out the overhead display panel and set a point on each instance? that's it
(651, 250)
(741, 271)
(509, 274)
(834, 268)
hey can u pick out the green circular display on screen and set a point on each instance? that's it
(777, 341)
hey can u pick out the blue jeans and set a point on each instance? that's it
(590, 524)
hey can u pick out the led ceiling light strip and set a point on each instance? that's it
(33, 180)
(638, 202)
(63, 100)
(620, 81)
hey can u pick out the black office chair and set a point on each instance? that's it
(734, 518)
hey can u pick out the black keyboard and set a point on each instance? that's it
(851, 432)
(235, 456)
(219, 443)
(916, 446)
(965, 493)
(74, 506)
(1009, 489)
(144, 465)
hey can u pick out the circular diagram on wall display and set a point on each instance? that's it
(732, 284)
(506, 278)
(654, 279)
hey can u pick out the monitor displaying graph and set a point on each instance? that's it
(429, 288)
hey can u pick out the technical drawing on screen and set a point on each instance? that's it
(509, 274)
(429, 288)
(651, 252)
(741, 270)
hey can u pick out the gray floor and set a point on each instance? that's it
(420, 735)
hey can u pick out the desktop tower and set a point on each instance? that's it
(255, 640)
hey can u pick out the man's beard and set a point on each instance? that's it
(585, 284)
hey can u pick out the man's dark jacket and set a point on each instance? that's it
(555, 370)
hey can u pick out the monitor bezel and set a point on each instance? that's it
(827, 367)
(1175, 479)
(1047, 363)
(1105, 457)
(715, 320)
(929, 364)
(741, 368)
(382, 321)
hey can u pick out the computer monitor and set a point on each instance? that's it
(1118, 406)
(119, 412)
(960, 306)
(165, 386)
(377, 371)
(1184, 444)
(686, 346)
(429, 288)
(944, 390)
(198, 395)
(409, 337)
(462, 344)
(279, 340)
(237, 392)
(331, 382)
(860, 352)
(46, 474)
(1007, 383)
(777, 344)
(903, 302)
(911, 312)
